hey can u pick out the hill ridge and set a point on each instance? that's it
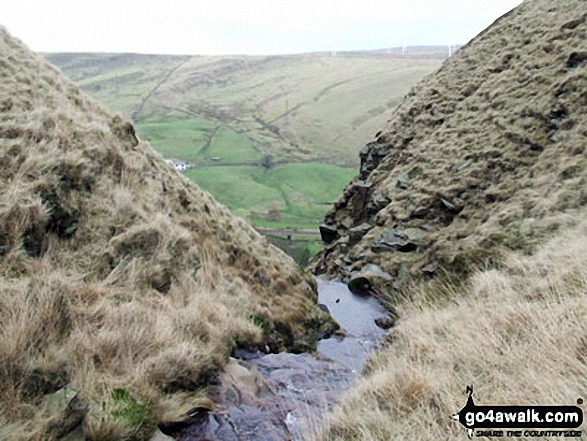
(487, 152)
(119, 277)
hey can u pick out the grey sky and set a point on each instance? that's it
(244, 26)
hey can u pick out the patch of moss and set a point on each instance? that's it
(259, 323)
(127, 408)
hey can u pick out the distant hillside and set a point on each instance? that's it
(487, 152)
(122, 284)
(259, 129)
(308, 106)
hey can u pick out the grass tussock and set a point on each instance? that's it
(119, 278)
(518, 334)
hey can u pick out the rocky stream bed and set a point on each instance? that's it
(282, 396)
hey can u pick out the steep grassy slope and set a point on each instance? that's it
(517, 335)
(119, 277)
(485, 156)
(487, 152)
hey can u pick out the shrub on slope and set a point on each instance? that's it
(118, 276)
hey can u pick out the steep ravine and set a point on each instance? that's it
(282, 396)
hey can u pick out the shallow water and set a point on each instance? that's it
(280, 396)
(356, 315)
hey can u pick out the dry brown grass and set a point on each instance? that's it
(117, 273)
(499, 131)
(518, 334)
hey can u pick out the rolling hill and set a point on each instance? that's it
(270, 122)
(292, 107)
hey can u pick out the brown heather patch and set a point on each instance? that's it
(116, 271)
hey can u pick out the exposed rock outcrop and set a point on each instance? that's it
(494, 137)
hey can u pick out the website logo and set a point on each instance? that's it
(528, 421)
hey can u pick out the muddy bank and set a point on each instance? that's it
(282, 396)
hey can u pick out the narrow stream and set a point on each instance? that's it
(281, 396)
(356, 315)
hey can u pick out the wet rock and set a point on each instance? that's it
(370, 276)
(357, 233)
(277, 396)
(269, 398)
(244, 354)
(397, 239)
(385, 322)
(328, 233)
(323, 307)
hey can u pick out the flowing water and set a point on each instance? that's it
(282, 396)
(356, 315)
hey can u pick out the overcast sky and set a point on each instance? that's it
(244, 26)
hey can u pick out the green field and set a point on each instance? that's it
(300, 193)
(197, 141)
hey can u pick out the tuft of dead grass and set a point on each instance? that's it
(517, 334)
(119, 277)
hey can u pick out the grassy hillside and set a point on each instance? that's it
(473, 201)
(309, 106)
(518, 335)
(486, 152)
(122, 284)
(253, 113)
